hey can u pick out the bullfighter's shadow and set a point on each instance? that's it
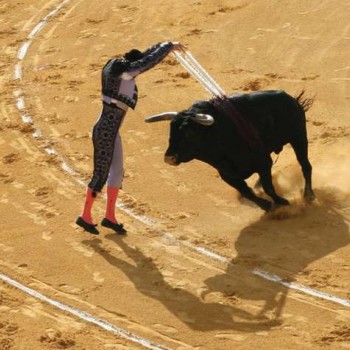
(284, 248)
(189, 308)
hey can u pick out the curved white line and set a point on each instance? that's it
(23, 50)
(301, 288)
(83, 315)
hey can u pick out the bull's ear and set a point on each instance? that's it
(203, 119)
(161, 116)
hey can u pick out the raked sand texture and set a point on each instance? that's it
(200, 268)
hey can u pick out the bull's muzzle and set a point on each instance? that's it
(171, 160)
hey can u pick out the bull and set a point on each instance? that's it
(237, 135)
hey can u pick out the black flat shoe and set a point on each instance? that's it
(118, 228)
(86, 226)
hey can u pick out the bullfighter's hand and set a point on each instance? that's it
(177, 46)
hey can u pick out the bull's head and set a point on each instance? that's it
(185, 137)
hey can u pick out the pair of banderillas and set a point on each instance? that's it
(200, 74)
(246, 130)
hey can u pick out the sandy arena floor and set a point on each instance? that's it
(194, 269)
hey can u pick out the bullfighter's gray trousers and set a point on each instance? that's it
(108, 151)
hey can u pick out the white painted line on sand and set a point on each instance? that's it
(83, 315)
(301, 288)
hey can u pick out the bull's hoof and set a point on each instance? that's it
(266, 205)
(309, 196)
(281, 201)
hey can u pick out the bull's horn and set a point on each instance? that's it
(160, 117)
(204, 119)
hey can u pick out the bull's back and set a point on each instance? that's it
(276, 115)
(270, 109)
(269, 101)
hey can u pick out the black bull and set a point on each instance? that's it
(237, 135)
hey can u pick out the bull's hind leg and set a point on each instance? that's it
(300, 147)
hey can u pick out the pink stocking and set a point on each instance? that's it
(89, 201)
(112, 195)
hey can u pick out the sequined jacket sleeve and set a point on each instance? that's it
(118, 74)
(151, 57)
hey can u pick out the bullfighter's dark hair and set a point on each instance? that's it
(133, 55)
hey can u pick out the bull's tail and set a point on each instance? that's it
(304, 102)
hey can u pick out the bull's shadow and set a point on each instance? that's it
(246, 302)
(284, 248)
(194, 311)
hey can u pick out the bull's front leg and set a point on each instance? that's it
(241, 186)
(267, 185)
